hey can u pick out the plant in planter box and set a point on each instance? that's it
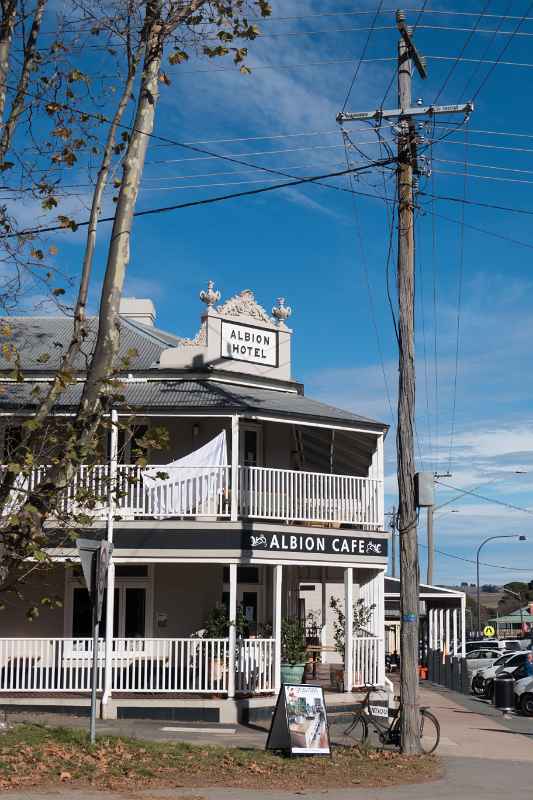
(216, 626)
(292, 651)
(362, 614)
(217, 622)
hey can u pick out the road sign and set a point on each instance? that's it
(94, 559)
(488, 631)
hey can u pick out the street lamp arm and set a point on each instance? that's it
(484, 542)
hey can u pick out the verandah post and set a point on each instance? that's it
(276, 620)
(232, 643)
(234, 468)
(110, 591)
(348, 629)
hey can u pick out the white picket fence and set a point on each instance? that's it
(270, 493)
(368, 661)
(264, 493)
(137, 665)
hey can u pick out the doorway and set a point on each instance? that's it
(132, 614)
(251, 446)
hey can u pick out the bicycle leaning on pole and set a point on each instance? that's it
(369, 717)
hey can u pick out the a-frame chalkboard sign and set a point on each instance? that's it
(300, 723)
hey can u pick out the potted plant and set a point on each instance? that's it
(362, 614)
(292, 651)
(216, 626)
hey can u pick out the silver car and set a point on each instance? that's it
(479, 659)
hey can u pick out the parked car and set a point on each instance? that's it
(506, 645)
(478, 644)
(515, 666)
(510, 644)
(488, 671)
(483, 657)
(523, 695)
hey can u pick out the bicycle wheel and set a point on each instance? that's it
(429, 731)
(348, 732)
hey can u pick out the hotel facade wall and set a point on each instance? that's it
(184, 594)
(13, 619)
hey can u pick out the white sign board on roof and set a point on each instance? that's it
(249, 343)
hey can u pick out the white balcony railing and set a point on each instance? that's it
(269, 493)
(137, 665)
(368, 661)
(255, 666)
(265, 493)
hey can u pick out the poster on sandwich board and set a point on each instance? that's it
(300, 723)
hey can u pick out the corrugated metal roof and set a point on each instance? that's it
(514, 617)
(38, 337)
(194, 395)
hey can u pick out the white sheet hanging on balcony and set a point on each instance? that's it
(194, 484)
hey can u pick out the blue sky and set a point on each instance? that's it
(315, 247)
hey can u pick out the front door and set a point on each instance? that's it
(251, 446)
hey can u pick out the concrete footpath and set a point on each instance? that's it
(484, 757)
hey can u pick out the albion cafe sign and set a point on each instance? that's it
(248, 343)
(314, 543)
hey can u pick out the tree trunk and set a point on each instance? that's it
(6, 35)
(108, 339)
(17, 106)
(62, 377)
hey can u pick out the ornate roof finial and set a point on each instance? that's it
(210, 297)
(281, 312)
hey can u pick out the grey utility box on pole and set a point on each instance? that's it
(424, 489)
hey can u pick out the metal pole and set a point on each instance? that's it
(477, 588)
(94, 677)
(110, 591)
(431, 551)
(348, 629)
(490, 539)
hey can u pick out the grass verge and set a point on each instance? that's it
(37, 756)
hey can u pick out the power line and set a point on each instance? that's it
(473, 561)
(368, 284)
(204, 201)
(363, 54)
(516, 170)
(463, 50)
(483, 177)
(486, 51)
(483, 497)
(502, 52)
(459, 304)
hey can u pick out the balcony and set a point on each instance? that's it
(244, 493)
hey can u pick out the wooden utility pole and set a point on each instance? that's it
(407, 523)
(407, 517)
